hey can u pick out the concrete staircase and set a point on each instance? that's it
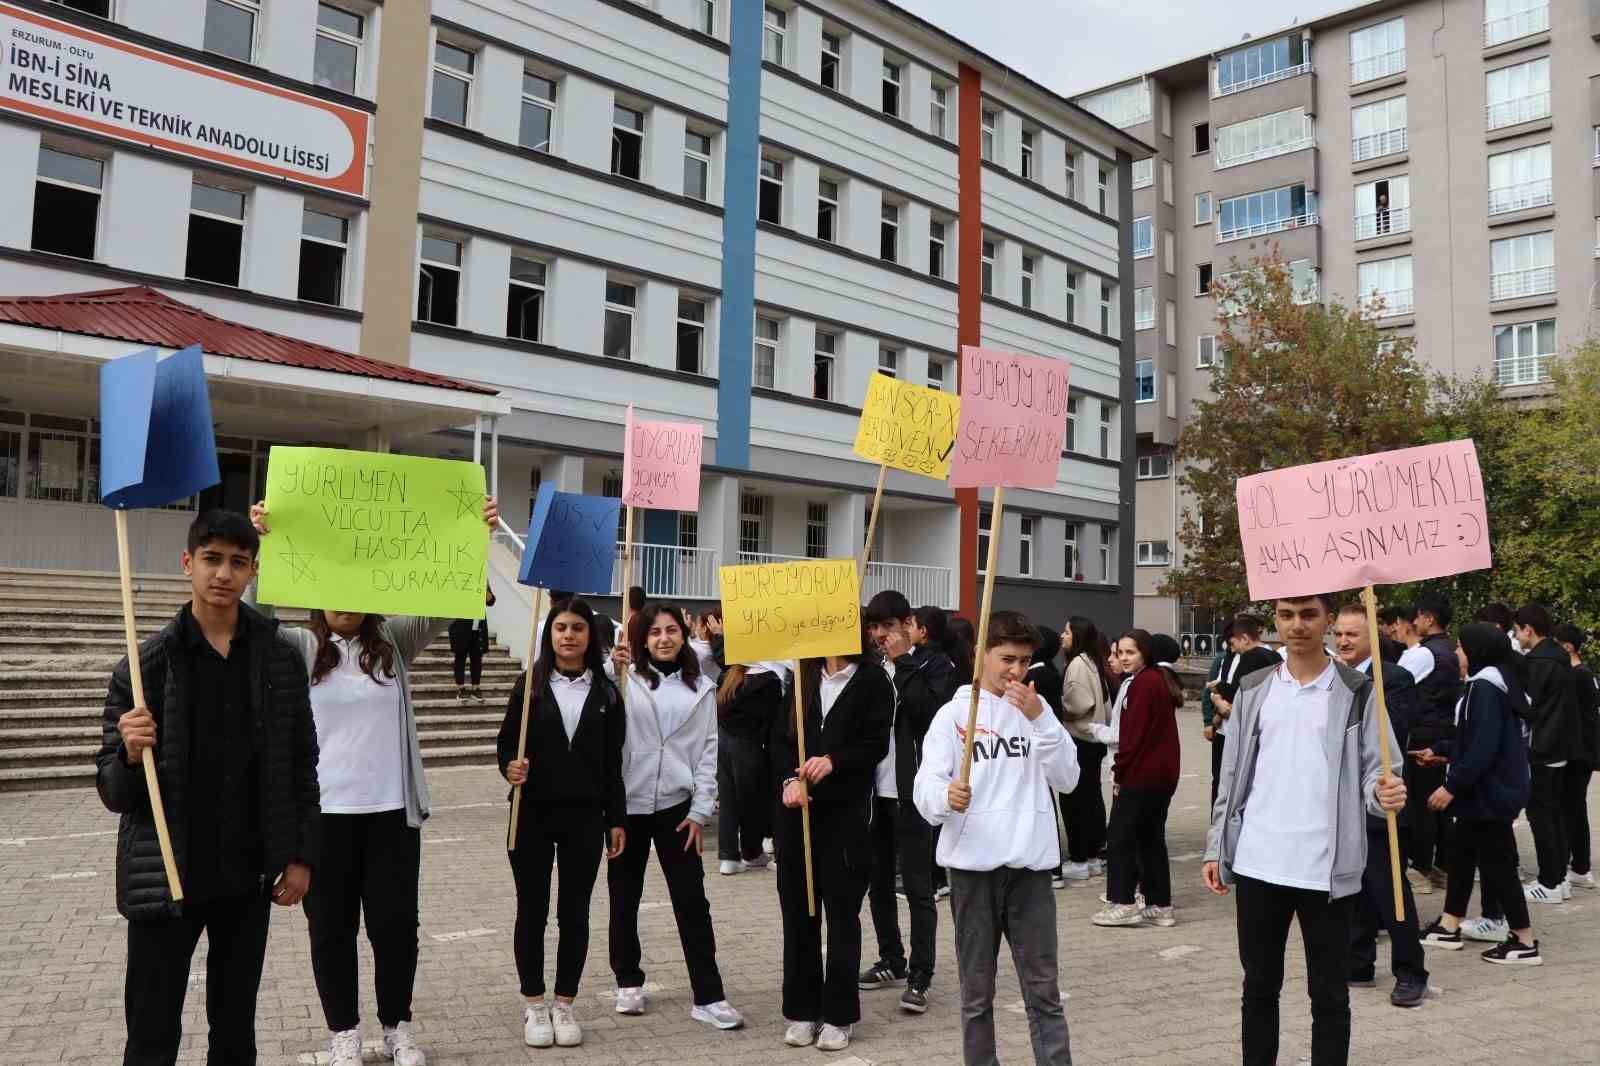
(61, 634)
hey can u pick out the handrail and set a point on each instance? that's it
(1277, 225)
(1529, 20)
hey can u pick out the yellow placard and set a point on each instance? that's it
(791, 610)
(374, 532)
(909, 427)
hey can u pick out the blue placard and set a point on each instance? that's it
(572, 542)
(157, 444)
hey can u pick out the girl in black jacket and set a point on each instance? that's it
(849, 713)
(748, 699)
(573, 807)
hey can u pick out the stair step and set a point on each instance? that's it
(48, 755)
(87, 736)
(30, 778)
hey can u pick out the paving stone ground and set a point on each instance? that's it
(1146, 996)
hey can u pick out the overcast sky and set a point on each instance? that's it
(1072, 45)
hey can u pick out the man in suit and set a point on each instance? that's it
(1375, 905)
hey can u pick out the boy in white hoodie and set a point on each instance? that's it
(999, 838)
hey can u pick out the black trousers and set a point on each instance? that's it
(1575, 812)
(1137, 847)
(686, 886)
(744, 797)
(159, 953)
(370, 866)
(1429, 830)
(1490, 848)
(1375, 909)
(1083, 810)
(898, 830)
(1548, 825)
(1219, 744)
(1264, 912)
(573, 839)
(468, 642)
(814, 991)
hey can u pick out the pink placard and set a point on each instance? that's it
(661, 464)
(1013, 420)
(1379, 519)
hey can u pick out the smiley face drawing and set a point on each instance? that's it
(1469, 531)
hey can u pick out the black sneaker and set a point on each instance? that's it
(1435, 935)
(915, 998)
(881, 976)
(1514, 953)
(1409, 991)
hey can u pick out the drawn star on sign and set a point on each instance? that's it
(468, 502)
(298, 563)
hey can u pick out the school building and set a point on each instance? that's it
(482, 230)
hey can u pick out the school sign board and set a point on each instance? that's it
(572, 542)
(1013, 420)
(661, 464)
(909, 427)
(85, 80)
(1380, 519)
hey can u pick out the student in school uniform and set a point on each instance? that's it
(1086, 695)
(1580, 768)
(849, 715)
(748, 699)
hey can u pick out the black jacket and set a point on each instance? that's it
(1588, 713)
(1488, 772)
(749, 713)
(1400, 698)
(924, 681)
(1556, 730)
(1437, 694)
(285, 738)
(585, 771)
(1257, 658)
(856, 736)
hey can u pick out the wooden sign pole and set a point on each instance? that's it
(872, 523)
(527, 704)
(983, 629)
(627, 607)
(805, 793)
(1370, 598)
(158, 811)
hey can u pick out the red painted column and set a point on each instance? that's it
(969, 299)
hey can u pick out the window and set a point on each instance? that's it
(765, 361)
(538, 112)
(688, 531)
(1143, 173)
(832, 60)
(216, 234)
(889, 234)
(1378, 129)
(1144, 381)
(439, 281)
(1522, 266)
(1103, 187)
(1202, 279)
(1522, 352)
(627, 141)
(452, 82)
(92, 7)
(1202, 138)
(1105, 429)
(1144, 238)
(769, 207)
(338, 55)
(231, 28)
(1155, 465)
(1271, 211)
(1171, 319)
(755, 536)
(707, 22)
(63, 460)
(1072, 296)
(891, 89)
(936, 248)
(696, 165)
(1028, 266)
(617, 343)
(525, 299)
(66, 203)
(774, 30)
(822, 366)
(938, 373)
(324, 239)
(1518, 93)
(889, 362)
(1025, 524)
(1264, 137)
(816, 530)
(985, 521)
(1166, 182)
(1506, 20)
(827, 210)
(1202, 208)
(1384, 207)
(1144, 308)
(1070, 561)
(986, 134)
(1108, 555)
(987, 276)
(1378, 51)
(10, 453)
(1153, 553)
(1124, 106)
(1108, 306)
(1072, 174)
(691, 334)
(1206, 352)
(1385, 286)
(1027, 154)
(1169, 258)
(938, 111)
(1261, 63)
(1070, 443)
(1519, 180)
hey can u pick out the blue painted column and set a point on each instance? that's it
(741, 160)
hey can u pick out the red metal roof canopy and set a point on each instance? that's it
(141, 315)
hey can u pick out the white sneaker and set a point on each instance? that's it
(942, 892)
(630, 1000)
(568, 1032)
(1138, 897)
(1162, 916)
(537, 1031)
(1488, 930)
(718, 1015)
(800, 1034)
(400, 1045)
(766, 845)
(1566, 888)
(729, 867)
(1534, 892)
(1075, 871)
(758, 862)
(1581, 880)
(833, 1038)
(346, 1048)
(1120, 914)
(1097, 867)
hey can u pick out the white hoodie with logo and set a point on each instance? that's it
(1011, 820)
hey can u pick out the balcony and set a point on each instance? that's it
(1375, 67)
(1520, 197)
(1521, 370)
(1517, 24)
(1374, 145)
(1515, 284)
(1528, 108)
(1143, 321)
(1261, 229)
(919, 584)
(1389, 304)
(668, 572)
(1267, 79)
(1383, 223)
(1266, 152)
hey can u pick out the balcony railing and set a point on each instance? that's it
(1277, 225)
(669, 572)
(1267, 79)
(1267, 152)
(1144, 321)
(1374, 145)
(1517, 24)
(1389, 303)
(1520, 197)
(1522, 370)
(1522, 109)
(920, 584)
(1514, 284)
(1382, 223)
(1377, 66)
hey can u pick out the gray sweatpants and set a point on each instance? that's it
(1019, 905)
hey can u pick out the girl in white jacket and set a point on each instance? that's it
(669, 761)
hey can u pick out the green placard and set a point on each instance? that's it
(373, 532)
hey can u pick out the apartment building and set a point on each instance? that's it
(1435, 163)
(487, 229)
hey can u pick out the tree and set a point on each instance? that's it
(1293, 382)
